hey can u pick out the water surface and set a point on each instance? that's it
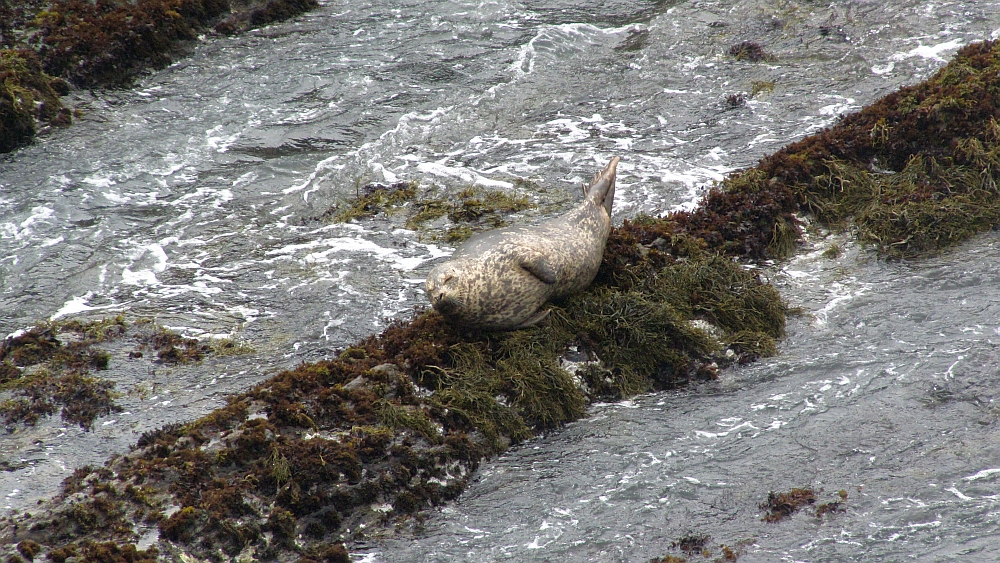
(194, 199)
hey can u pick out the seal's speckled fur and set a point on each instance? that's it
(499, 280)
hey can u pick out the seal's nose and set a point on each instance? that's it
(444, 304)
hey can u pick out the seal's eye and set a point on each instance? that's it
(447, 278)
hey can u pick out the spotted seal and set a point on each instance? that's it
(499, 279)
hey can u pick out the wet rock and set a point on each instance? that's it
(358, 382)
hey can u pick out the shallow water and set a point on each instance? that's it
(192, 199)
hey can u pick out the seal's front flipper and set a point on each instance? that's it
(532, 320)
(538, 266)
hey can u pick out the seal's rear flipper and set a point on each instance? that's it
(602, 188)
(532, 320)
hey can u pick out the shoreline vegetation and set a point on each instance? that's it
(48, 47)
(357, 447)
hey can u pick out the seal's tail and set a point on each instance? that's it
(602, 188)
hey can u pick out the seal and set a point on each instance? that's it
(500, 279)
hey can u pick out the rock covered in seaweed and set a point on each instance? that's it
(915, 171)
(28, 97)
(349, 448)
(102, 44)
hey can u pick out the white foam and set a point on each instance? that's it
(19, 231)
(77, 304)
(465, 174)
(335, 247)
(51, 241)
(846, 105)
(99, 181)
(747, 425)
(841, 294)
(931, 52)
(982, 474)
(557, 42)
(883, 69)
(220, 143)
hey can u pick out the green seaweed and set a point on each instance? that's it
(758, 87)
(402, 419)
(48, 368)
(372, 200)
(470, 210)
(27, 97)
(110, 42)
(101, 44)
(915, 172)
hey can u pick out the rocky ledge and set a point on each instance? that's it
(49, 47)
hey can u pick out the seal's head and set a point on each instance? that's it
(445, 288)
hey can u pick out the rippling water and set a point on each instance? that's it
(190, 199)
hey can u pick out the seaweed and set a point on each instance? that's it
(371, 200)
(101, 44)
(782, 505)
(111, 41)
(758, 87)
(692, 543)
(278, 10)
(833, 507)
(470, 210)
(915, 172)
(172, 348)
(27, 96)
(398, 422)
(403, 419)
(750, 51)
(736, 100)
(696, 545)
(103, 552)
(48, 368)
(42, 375)
(28, 549)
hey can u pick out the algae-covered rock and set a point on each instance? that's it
(102, 44)
(915, 172)
(51, 368)
(27, 97)
(399, 422)
(108, 43)
(471, 210)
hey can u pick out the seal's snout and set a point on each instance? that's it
(443, 302)
(446, 305)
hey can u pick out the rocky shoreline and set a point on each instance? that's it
(354, 448)
(48, 48)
